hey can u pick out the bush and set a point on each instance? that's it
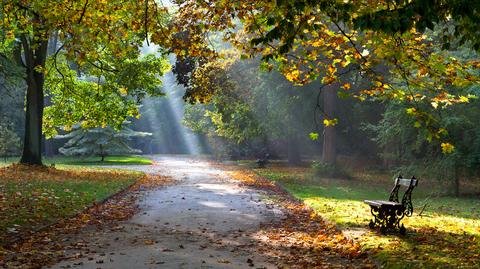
(10, 143)
(322, 169)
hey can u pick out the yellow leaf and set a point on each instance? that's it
(447, 148)
(123, 91)
(331, 122)
(463, 99)
(148, 242)
(293, 75)
(411, 110)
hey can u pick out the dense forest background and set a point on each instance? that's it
(259, 112)
(343, 91)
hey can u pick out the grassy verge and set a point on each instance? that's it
(445, 235)
(32, 197)
(109, 160)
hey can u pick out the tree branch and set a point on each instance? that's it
(83, 12)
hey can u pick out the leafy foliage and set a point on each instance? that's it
(252, 109)
(101, 98)
(12, 88)
(10, 73)
(323, 40)
(9, 141)
(84, 36)
(85, 29)
(459, 123)
(461, 16)
(229, 114)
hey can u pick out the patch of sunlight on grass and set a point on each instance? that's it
(109, 160)
(446, 235)
(343, 213)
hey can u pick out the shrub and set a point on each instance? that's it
(322, 169)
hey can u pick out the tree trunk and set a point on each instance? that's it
(457, 180)
(389, 154)
(293, 152)
(102, 153)
(34, 58)
(329, 154)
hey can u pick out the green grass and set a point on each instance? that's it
(32, 198)
(446, 235)
(109, 160)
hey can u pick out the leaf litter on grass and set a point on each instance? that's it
(35, 249)
(301, 239)
(445, 235)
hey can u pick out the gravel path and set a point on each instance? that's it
(206, 220)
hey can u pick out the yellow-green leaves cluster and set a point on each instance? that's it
(318, 41)
(100, 98)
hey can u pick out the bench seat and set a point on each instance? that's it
(388, 213)
(380, 203)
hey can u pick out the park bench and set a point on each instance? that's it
(388, 214)
(262, 162)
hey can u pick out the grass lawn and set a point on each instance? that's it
(34, 197)
(109, 160)
(446, 235)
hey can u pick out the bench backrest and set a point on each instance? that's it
(406, 182)
(410, 184)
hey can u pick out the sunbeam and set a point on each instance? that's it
(175, 103)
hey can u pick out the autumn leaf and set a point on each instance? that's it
(313, 136)
(447, 148)
(45, 202)
(313, 242)
(148, 242)
(411, 110)
(330, 123)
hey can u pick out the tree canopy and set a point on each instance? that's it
(66, 46)
(85, 55)
(400, 47)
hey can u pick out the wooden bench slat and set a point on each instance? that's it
(406, 181)
(379, 203)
